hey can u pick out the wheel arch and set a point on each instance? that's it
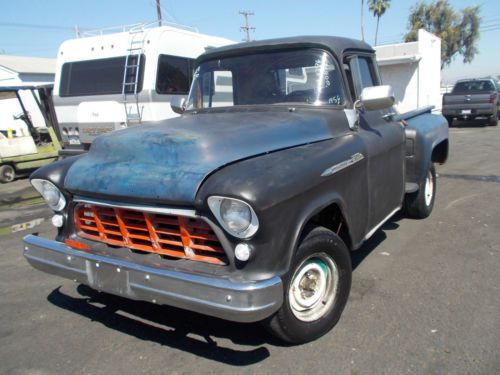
(330, 213)
(440, 152)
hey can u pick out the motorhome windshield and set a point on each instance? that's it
(101, 76)
(308, 76)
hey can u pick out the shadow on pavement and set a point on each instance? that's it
(169, 326)
(358, 256)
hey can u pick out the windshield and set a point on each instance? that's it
(300, 76)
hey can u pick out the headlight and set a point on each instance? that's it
(52, 195)
(235, 216)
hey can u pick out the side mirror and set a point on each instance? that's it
(377, 97)
(178, 104)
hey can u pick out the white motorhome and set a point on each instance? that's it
(108, 81)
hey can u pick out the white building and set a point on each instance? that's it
(23, 71)
(413, 70)
(20, 70)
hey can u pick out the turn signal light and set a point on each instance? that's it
(76, 244)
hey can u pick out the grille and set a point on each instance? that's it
(168, 235)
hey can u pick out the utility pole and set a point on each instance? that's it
(362, 21)
(247, 27)
(158, 12)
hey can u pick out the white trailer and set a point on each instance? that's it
(108, 81)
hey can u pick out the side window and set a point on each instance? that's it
(174, 75)
(363, 73)
(100, 77)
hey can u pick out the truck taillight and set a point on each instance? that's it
(492, 98)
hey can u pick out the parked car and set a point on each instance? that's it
(247, 206)
(472, 98)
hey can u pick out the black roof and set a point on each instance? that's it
(337, 45)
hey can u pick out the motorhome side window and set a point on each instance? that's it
(174, 74)
(79, 78)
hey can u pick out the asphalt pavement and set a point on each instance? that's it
(425, 298)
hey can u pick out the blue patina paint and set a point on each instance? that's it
(168, 161)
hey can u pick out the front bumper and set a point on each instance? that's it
(242, 301)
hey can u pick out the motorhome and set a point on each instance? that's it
(108, 80)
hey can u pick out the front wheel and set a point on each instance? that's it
(419, 205)
(316, 288)
(7, 173)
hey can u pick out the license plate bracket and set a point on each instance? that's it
(108, 277)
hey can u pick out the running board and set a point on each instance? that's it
(377, 227)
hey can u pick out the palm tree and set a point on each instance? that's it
(378, 8)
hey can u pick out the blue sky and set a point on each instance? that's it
(36, 27)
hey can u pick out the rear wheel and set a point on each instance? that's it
(493, 120)
(7, 173)
(419, 205)
(315, 289)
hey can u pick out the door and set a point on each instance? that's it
(384, 140)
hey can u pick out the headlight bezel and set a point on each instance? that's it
(215, 203)
(42, 186)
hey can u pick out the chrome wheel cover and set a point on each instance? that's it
(429, 189)
(313, 287)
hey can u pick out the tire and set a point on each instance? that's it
(493, 120)
(419, 205)
(449, 119)
(322, 257)
(7, 173)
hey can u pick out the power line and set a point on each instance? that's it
(247, 28)
(37, 26)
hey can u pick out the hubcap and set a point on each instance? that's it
(313, 288)
(8, 174)
(429, 189)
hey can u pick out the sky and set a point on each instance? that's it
(38, 27)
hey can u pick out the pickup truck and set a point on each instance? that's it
(288, 156)
(471, 98)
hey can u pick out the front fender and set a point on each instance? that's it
(55, 172)
(286, 189)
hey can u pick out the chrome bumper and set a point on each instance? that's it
(222, 298)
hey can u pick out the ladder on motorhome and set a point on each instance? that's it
(132, 76)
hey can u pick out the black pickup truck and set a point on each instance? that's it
(472, 98)
(288, 155)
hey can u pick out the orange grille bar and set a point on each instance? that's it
(170, 235)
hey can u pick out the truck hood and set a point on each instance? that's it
(168, 161)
